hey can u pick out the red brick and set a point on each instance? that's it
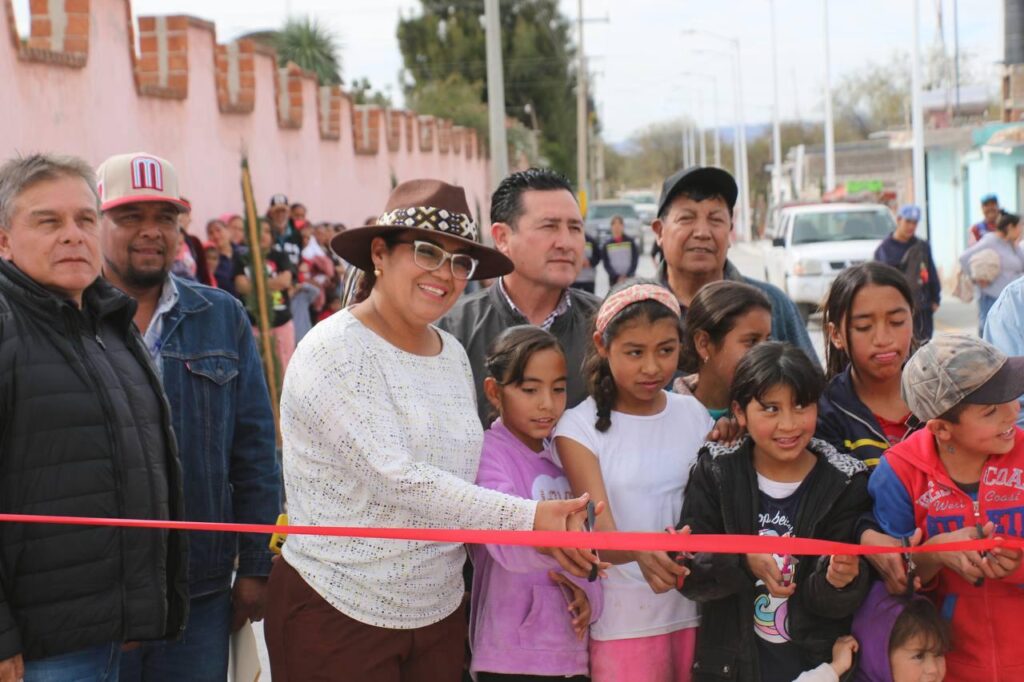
(294, 86)
(78, 25)
(76, 6)
(176, 42)
(246, 80)
(147, 78)
(38, 6)
(177, 23)
(177, 62)
(178, 81)
(41, 28)
(76, 44)
(148, 63)
(39, 42)
(147, 24)
(147, 44)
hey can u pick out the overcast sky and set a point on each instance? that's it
(640, 54)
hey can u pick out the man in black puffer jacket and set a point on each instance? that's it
(84, 431)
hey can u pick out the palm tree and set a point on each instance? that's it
(307, 42)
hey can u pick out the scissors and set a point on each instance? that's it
(588, 525)
(909, 566)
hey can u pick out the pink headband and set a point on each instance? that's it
(614, 304)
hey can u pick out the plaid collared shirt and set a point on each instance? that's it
(560, 309)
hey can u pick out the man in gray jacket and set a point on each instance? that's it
(535, 221)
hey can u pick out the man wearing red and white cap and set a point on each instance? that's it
(200, 340)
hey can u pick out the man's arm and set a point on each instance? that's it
(254, 472)
(934, 285)
(1004, 326)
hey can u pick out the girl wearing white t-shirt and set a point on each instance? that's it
(631, 444)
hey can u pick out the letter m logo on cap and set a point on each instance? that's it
(147, 173)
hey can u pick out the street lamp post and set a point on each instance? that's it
(495, 93)
(830, 138)
(741, 165)
(716, 122)
(581, 110)
(776, 134)
(917, 117)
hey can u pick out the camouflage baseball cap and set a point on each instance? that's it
(958, 368)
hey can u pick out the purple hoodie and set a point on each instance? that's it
(872, 627)
(519, 621)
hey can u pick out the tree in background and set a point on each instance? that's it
(447, 40)
(363, 93)
(309, 43)
(452, 97)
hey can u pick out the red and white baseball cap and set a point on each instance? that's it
(131, 178)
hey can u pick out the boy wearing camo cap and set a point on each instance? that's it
(960, 478)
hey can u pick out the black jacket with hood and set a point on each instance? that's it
(722, 498)
(848, 425)
(84, 431)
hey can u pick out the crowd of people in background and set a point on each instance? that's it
(464, 386)
(305, 277)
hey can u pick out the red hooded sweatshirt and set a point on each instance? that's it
(912, 489)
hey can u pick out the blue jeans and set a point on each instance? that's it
(95, 664)
(201, 655)
(984, 305)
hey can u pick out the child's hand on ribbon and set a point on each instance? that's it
(842, 570)
(891, 567)
(766, 569)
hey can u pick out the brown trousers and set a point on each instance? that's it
(311, 641)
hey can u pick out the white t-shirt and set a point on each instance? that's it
(645, 463)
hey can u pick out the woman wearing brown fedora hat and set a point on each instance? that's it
(380, 429)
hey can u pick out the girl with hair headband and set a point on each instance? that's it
(631, 444)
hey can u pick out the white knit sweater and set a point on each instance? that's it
(376, 436)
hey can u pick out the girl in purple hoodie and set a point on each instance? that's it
(528, 619)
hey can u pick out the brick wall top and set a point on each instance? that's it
(60, 34)
(85, 85)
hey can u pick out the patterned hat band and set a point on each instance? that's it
(431, 218)
(620, 300)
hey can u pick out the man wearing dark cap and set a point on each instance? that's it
(913, 257)
(693, 228)
(286, 238)
(990, 216)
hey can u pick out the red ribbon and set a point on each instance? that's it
(642, 542)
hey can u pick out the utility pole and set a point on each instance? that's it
(830, 138)
(776, 134)
(917, 117)
(581, 110)
(495, 93)
(956, 59)
(701, 131)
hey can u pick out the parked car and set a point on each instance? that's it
(645, 203)
(808, 245)
(599, 217)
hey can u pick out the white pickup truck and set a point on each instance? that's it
(809, 245)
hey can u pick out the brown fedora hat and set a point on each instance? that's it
(429, 207)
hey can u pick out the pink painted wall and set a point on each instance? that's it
(96, 110)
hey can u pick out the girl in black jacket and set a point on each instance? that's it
(869, 335)
(771, 617)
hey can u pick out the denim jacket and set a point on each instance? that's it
(221, 414)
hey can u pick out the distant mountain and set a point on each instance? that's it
(754, 131)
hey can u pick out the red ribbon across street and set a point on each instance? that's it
(724, 544)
